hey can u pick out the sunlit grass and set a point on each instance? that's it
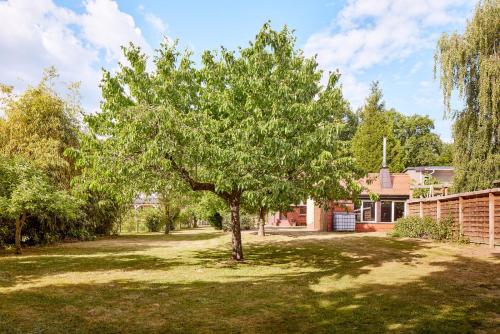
(292, 281)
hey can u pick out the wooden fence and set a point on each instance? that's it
(477, 213)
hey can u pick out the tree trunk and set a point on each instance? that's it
(19, 226)
(167, 220)
(237, 248)
(262, 222)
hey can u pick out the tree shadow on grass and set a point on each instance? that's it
(443, 301)
(351, 256)
(115, 244)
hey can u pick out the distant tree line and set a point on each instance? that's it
(42, 198)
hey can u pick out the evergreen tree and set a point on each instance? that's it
(374, 126)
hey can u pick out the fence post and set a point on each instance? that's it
(491, 220)
(461, 215)
(438, 210)
(421, 209)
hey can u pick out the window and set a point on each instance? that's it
(399, 210)
(368, 211)
(357, 212)
(386, 211)
(302, 210)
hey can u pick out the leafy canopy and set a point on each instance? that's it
(410, 140)
(238, 122)
(469, 64)
(39, 126)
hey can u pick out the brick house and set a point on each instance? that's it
(381, 203)
(296, 216)
(391, 189)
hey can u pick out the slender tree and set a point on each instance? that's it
(374, 126)
(237, 121)
(470, 64)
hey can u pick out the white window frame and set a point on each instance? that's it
(363, 210)
(393, 209)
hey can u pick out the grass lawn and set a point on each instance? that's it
(292, 282)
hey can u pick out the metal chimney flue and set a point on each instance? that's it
(385, 175)
(384, 154)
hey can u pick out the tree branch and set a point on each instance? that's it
(184, 174)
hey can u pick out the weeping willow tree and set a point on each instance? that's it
(469, 64)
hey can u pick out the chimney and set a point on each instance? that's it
(384, 156)
(385, 175)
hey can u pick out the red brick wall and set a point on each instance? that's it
(294, 214)
(341, 206)
(379, 227)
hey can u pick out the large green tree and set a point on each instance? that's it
(470, 64)
(375, 124)
(235, 122)
(419, 145)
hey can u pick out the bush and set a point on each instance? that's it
(426, 227)
(247, 222)
(215, 220)
(154, 221)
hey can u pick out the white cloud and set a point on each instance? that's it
(108, 28)
(155, 21)
(368, 33)
(38, 34)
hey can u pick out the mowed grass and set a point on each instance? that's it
(291, 282)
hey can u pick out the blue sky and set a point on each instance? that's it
(387, 40)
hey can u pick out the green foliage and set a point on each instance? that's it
(424, 192)
(374, 126)
(248, 222)
(236, 123)
(426, 227)
(155, 220)
(410, 141)
(39, 126)
(38, 133)
(469, 64)
(215, 220)
(29, 198)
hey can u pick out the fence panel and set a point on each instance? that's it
(474, 218)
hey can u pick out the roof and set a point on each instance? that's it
(424, 168)
(401, 183)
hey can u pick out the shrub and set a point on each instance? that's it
(247, 222)
(215, 220)
(154, 221)
(426, 227)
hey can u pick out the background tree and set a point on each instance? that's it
(224, 127)
(39, 126)
(410, 139)
(367, 143)
(27, 193)
(420, 146)
(469, 63)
